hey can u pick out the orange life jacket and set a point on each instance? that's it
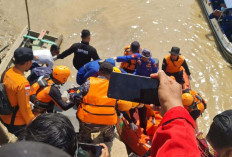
(42, 92)
(174, 66)
(131, 64)
(198, 100)
(97, 108)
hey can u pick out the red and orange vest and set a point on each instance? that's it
(174, 66)
(128, 65)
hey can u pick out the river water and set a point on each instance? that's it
(157, 25)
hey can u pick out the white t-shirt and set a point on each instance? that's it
(45, 57)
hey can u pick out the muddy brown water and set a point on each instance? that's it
(157, 25)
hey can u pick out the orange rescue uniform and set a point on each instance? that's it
(131, 65)
(174, 66)
(42, 94)
(97, 108)
(17, 90)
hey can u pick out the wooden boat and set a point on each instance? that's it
(33, 40)
(224, 44)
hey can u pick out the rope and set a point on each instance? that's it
(28, 18)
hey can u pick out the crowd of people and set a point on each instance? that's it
(98, 114)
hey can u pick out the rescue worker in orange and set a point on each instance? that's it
(196, 104)
(133, 48)
(45, 93)
(17, 89)
(97, 112)
(193, 102)
(174, 64)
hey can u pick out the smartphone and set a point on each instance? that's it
(89, 150)
(133, 88)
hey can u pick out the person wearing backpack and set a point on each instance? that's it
(17, 89)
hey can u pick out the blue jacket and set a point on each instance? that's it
(142, 68)
(90, 69)
(86, 71)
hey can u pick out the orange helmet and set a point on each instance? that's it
(187, 100)
(117, 70)
(61, 73)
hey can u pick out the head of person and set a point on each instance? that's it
(23, 58)
(55, 50)
(31, 148)
(54, 129)
(85, 35)
(146, 55)
(135, 47)
(194, 105)
(110, 60)
(60, 74)
(175, 52)
(220, 133)
(105, 69)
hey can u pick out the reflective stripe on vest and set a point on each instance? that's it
(174, 66)
(131, 64)
(97, 108)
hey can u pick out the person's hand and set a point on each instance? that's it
(217, 13)
(133, 126)
(115, 58)
(105, 152)
(75, 98)
(169, 92)
(189, 77)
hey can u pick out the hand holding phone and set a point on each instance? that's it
(170, 92)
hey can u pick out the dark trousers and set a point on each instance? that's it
(179, 76)
(86, 129)
(17, 130)
(142, 117)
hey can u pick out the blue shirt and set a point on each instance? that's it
(89, 69)
(142, 68)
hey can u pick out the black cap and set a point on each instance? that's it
(146, 53)
(22, 55)
(224, 122)
(135, 46)
(29, 149)
(106, 68)
(221, 128)
(175, 51)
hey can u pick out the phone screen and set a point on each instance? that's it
(133, 88)
(89, 150)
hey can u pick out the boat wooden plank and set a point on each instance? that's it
(8, 58)
(42, 34)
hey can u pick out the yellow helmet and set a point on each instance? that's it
(117, 70)
(187, 100)
(124, 105)
(61, 73)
